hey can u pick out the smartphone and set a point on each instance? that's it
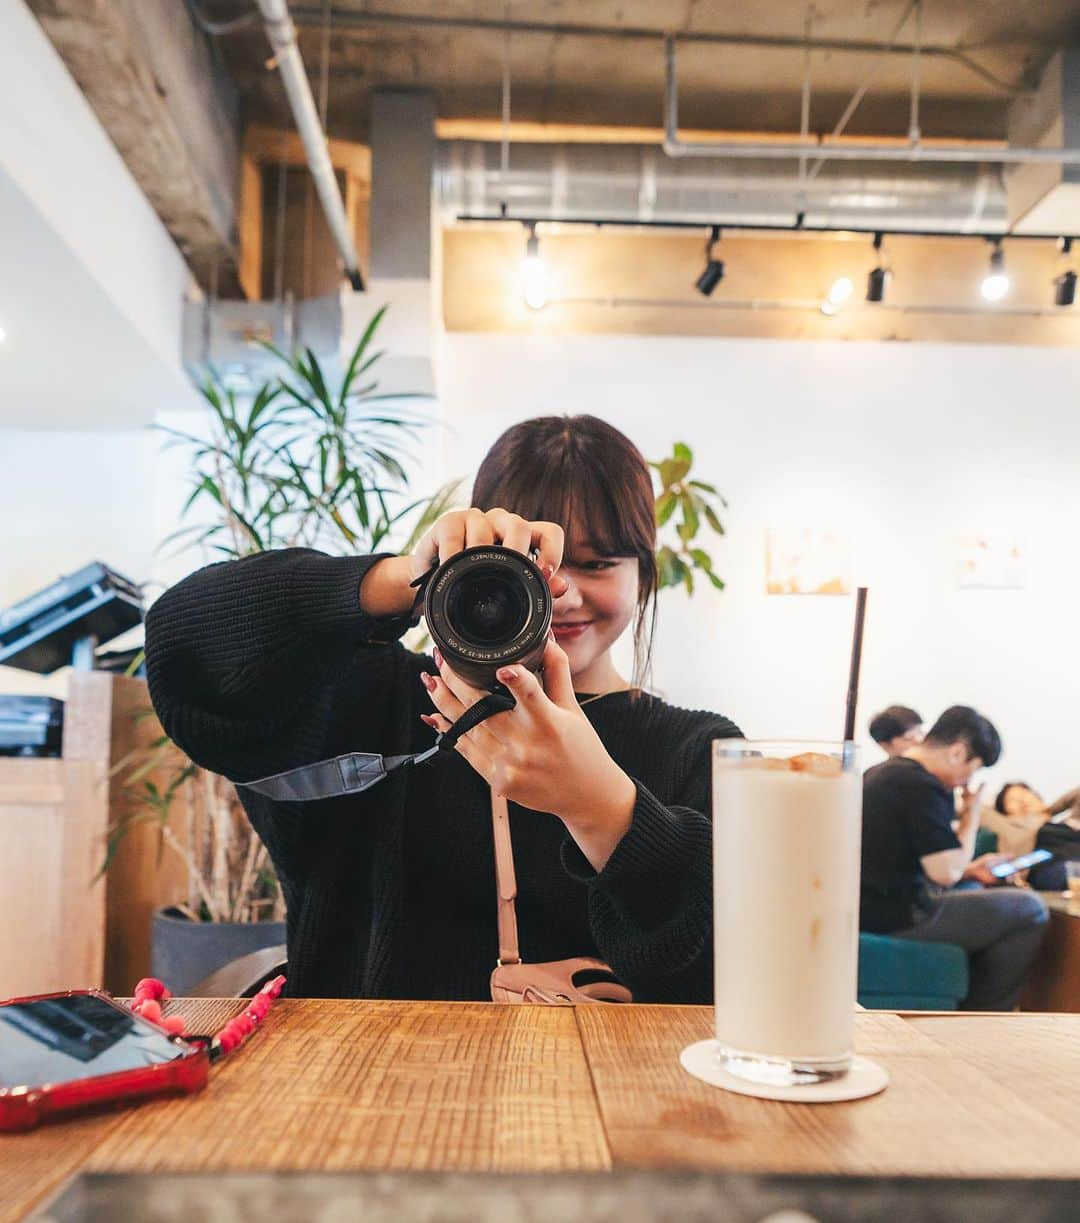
(69, 1052)
(1004, 869)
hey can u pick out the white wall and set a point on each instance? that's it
(907, 447)
(58, 154)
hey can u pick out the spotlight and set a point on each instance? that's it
(1065, 284)
(714, 268)
(533, 273)
(878, 279)
(841, 290)
(996, 283)
(1065, 289)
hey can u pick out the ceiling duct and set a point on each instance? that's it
(1045, 198)
(224, 340)
(638, 182)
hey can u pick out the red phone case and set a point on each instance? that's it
(22, 1108)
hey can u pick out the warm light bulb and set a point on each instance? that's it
(534, 275)
(995, 286)
(841, 290)
(996, 282)
(534, 282)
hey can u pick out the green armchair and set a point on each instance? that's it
(897, 974)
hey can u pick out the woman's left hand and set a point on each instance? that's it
(543, 753)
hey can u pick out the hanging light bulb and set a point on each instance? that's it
(842, 288)
(996, 282)
(533, 273)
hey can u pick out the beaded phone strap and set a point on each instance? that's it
(150, 993)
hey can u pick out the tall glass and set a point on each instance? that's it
(786, 834)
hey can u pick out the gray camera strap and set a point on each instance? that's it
(356, 772)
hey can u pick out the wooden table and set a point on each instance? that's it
(349, 1085)
(1053, 984)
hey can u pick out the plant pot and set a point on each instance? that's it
(183, 951)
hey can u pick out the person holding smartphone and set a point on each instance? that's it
(913, 857)
(283, 658)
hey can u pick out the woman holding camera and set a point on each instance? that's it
(284, 658)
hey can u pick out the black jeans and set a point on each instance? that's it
(999, 928)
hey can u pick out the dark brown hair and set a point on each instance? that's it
(581, 470)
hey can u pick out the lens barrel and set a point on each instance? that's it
(488, 607)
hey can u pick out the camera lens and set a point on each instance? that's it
(487, 608)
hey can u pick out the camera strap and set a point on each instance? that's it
(356, 772)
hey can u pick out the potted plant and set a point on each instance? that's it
(302, 460)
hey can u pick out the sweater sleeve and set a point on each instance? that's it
(260, 664)
(650, 908)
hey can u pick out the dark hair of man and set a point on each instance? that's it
(999, 802)
(893, 722)
(962, 724)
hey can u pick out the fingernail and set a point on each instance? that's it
(437, 655)
(506, 675)
(427, 681)
(551, 634)
(427, 719)
(547, 570)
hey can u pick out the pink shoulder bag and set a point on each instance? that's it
(556, 983)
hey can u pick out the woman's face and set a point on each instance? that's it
(1021, 800)
(598, 604)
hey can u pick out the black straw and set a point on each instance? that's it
(856, 660)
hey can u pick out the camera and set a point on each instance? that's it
(488, 607)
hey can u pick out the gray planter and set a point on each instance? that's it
(183, 952)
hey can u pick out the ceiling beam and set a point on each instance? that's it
(171, 111)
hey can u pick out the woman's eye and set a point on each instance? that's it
(596, 566)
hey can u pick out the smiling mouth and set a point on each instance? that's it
(577, 626)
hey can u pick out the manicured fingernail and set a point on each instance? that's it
(547, 570)
(427, 719)
(551, 634)
(428, 681)
(506, 675)
(437, 655)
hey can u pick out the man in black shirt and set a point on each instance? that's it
(910, 852)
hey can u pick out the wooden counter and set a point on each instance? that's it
(351, 1085)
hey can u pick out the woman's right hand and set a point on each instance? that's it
(460, 529)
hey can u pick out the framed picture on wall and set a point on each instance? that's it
(807, 561)
(992, 560)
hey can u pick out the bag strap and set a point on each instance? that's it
(505, 881)
(358, 771)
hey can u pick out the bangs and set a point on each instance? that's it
(590, 515)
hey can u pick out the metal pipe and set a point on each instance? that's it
(345, 18)
(282, 35)
(795, 149)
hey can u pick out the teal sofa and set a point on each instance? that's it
(896, 974)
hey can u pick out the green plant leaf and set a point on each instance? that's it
(717, 582)
(673, 470)
(702, 559)
(665, 507)
(682, 451)
(713, 521)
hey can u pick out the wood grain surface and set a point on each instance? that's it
(354, 1085)
(940, 1116)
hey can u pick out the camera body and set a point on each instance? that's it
(488, 607)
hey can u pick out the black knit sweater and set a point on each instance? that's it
(266, 663)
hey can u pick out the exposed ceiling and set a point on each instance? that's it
(978, 55)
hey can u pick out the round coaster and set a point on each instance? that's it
(865, 1078)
